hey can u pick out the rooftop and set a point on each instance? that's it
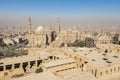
(58, 62)
(26, 58)
(39, 76)
(77, 75)
(96, 57)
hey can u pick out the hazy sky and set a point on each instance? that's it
(45, 12)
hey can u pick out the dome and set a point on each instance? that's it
(39, 30)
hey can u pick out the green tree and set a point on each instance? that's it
(39, 70)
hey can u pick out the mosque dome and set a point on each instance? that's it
(39, 30)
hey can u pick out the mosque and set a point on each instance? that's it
(43, 37)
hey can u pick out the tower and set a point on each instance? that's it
(59, 26)
(29, 24)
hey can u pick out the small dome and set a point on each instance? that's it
(39, 30)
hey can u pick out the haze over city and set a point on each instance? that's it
(46, 12)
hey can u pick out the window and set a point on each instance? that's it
(101, 73)
(106, 71)
(80, 59)
(114, 69)
(118, 68)
(17, 65)
(75, 57)
(118, 50)
(1, 68)
(111, 70)
(8, 67)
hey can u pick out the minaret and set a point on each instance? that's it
(59, 26)
(29, 25)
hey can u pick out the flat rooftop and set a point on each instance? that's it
(39, 76)
(24, 58)
(76, 75)
(58, 62)
(95, 57)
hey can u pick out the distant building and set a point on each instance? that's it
(116, 39)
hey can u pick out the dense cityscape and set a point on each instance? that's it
(59, 48)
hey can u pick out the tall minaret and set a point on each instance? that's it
(29, 24)
(59, 26)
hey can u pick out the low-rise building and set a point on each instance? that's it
(59, 65)
(39, 76)
(97, 62)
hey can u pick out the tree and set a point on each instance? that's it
(39, 70)
(77, 43)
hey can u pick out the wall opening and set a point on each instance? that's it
(8, 67)
(95, 72)
(51, 57)
(100, 73)
(32, 63)
(1, 68)
(17, 65)
(39, 62)
(114, 69)
(24, 65)
(106, 71)
(111, 70)
(106, 51)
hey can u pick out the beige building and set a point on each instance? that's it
(59, 65)
(69, 75)
(49, 61)
(76, 75)
(40, 76)
(110, 48)
(97, 62)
